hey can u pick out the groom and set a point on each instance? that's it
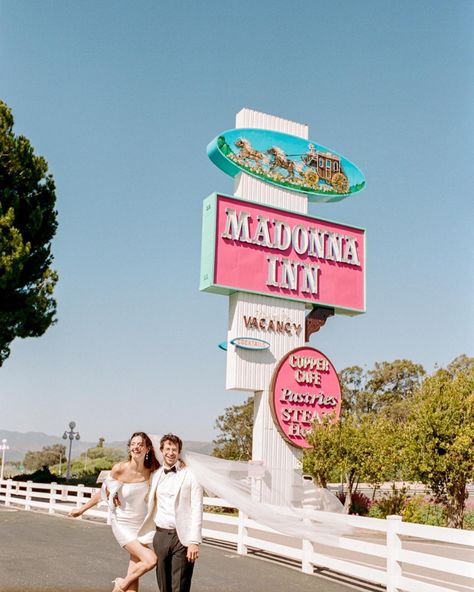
(174, 519)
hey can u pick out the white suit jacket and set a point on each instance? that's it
(188, 509)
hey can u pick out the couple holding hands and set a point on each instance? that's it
(154, 504)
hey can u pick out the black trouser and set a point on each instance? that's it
(173, 570)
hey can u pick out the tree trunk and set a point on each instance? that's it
(348, 499)
(457, 496)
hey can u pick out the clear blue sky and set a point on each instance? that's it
(123, 97)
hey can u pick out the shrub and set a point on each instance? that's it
(360, 503)
(422, 510)
(468, 523)
(389, 505)
(375, 512)
(42, 475)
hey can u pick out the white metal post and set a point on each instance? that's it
(242, 534)
(394, 546)
(3, 447)
(80, 496)
(29, 490)
(52, 498)
(307, 552)
(8, 494)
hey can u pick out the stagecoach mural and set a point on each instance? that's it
(288, 161)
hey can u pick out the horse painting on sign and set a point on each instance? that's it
(288, 161)
(248, 153)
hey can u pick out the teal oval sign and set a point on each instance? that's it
(290, 162)
(250, 343)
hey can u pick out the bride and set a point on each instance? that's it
(126, 489)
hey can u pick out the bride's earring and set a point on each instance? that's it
(147, 456)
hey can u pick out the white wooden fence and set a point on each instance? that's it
(397, 555)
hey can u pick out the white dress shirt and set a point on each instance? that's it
(166, 492)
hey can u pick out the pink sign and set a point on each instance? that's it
(265, 250)
(304, 388)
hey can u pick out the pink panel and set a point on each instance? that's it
(305, 387)
(245, 267)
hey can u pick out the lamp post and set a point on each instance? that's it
(60, 461)
(3, 448)
(71, 435)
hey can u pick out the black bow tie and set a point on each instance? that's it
(172, 470)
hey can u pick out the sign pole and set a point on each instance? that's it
(253, 370)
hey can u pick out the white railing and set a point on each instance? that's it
(397, 555)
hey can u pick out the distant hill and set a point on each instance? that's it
(22, 442)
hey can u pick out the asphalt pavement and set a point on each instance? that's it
(41, 553)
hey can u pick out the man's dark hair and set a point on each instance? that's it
(173, 439)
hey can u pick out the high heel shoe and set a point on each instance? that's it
(118, 585)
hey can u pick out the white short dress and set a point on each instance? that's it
(127, 518)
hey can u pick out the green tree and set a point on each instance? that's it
(322, 460)
(364, 444)
(440, 436)
(357, 449)
(236, 426)
(462, 363)
(46, 457)
(357, 400)
(384, 389)
(27, 226)
(97, 459)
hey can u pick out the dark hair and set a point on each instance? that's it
(173, 439)
(151, 462)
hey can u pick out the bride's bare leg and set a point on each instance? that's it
(144, 560)
(131, 569)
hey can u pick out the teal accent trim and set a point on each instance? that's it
(278, 209)
(220, 160)
(208, 241)
(222, 345)
(227, 291)
(365, 272)
(235, 342)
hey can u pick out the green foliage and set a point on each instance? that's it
(468, 523)
(236, 427)
(420, 510)
(360, 503)
(47, 457)
(376, 512)
(43, 475)
(365, 444)
(439, 442)
(324, 438)
(95, 460)
(382, 390)
(462, 364)
(360, 448)
(396, 380)
(27, 226)
(390, 504)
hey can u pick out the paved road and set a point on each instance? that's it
(41, 553)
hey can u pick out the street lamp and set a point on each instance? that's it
(60, 461)
(71, 435)
(3, 447)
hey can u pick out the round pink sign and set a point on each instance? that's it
(305, 387)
